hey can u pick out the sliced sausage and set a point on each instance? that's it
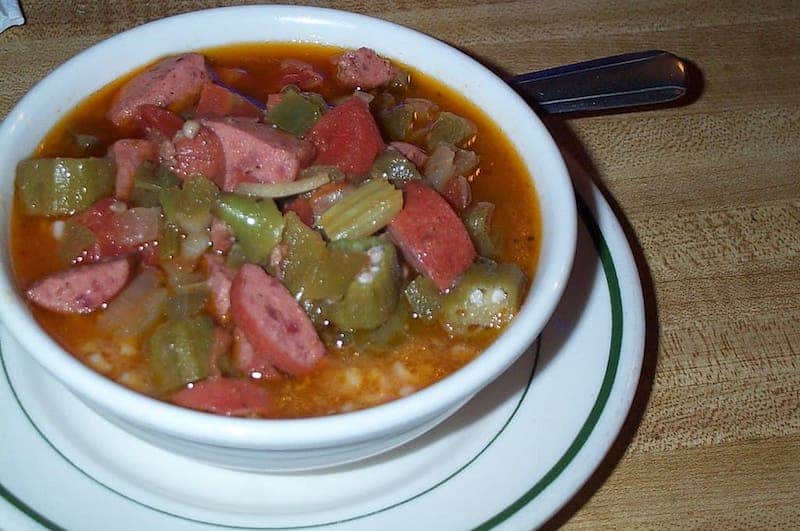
(363, 68)
(255, 152)
(248, 361)
(226, 396)
(81, 289)
(128, 154)
(431, 236)
(217, 101)
(220, 347)
(220, 277)
(348, 137)
(173, 81)
(273, 321)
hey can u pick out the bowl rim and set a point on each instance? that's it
(558, 241)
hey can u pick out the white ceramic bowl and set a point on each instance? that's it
(302, 443)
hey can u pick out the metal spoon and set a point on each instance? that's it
(629, 80)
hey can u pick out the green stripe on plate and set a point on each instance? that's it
(608, 379)
(547, 479)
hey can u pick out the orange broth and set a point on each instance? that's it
(348, 378)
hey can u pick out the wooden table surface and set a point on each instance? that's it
(710, 193)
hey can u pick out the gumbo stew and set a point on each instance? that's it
(274, 230)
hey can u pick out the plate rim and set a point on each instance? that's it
(590, 218)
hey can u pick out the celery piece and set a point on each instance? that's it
(149, 181)
(478, 221)
(389, 334)
(284, 189)
(396, 123)
(372, 295)
(257, 225)
(179, 352)
(190, 207)
(363, 212)
(424, 297)
(392, 165)
(63, 186)
(296, 113)
(452, 129)
(169, 241)
(76, 239)
(487, 296)
(311, 270)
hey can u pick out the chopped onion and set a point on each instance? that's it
(137, 307)
(282, 189)
(195, 244)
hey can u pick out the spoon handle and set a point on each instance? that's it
(629, 80)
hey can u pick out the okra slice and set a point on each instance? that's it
(424, 297)
(451, 129)
(311, 270)
(488, 296)
(63, 186)
(179, 352)
(478, 221)
(373, 293)
(257, 224)
(363, 212)
(389, 334)
(392, 165)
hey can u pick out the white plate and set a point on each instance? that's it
(510, 458)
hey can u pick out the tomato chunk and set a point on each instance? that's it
(348, 137)
(431, 236)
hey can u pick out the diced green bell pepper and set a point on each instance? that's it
(76, 239)
(149, 181)
(257, 224)
(179, 352)
(296, 113)
(190, 207)
(372, 295)
(63, 186)
(313, 271)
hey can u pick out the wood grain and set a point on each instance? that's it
(710, 193)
